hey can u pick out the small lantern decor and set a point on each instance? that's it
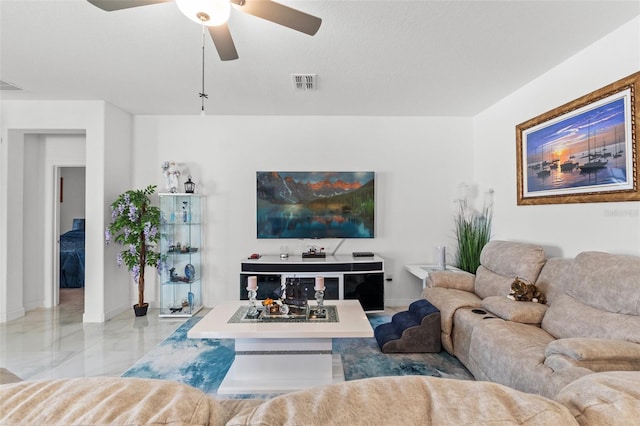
(189, 186)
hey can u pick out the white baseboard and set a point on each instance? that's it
(399, 302)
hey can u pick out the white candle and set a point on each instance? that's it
(319, 284)
(252, 283)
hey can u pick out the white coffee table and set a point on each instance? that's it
(274, 357)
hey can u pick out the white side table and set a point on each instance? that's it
(422, 271)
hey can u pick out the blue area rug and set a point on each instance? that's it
(203, 363)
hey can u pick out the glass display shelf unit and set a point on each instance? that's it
(181, 251)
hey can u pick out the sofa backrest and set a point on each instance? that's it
(552, 279)
(606, 281)
(502, 261)
(600, 297)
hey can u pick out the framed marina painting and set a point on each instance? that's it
(584, 151)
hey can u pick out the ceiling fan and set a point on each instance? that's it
(215, 13)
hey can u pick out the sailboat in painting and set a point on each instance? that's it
(568, 165)
(619, 152)
(595, 165)
(545, 172)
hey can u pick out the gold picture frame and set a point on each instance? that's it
(584, 151)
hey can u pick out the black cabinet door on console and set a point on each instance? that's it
(368, 288)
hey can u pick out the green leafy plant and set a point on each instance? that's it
(134, 225)
(473, 231)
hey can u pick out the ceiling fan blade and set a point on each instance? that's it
(280, 14)
(224, 43)
(111, 5)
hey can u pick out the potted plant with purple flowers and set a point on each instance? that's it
(134, 225)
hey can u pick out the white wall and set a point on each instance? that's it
(115, 169)
(33, 206)
(565, 229)
(42, 153)
(419, 163)
(73, 201)
(108, 137)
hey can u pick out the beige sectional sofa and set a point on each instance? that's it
(409, 400)
(573, 361)
(591, 322)
(596, 399)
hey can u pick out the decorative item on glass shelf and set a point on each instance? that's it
(185, 211)
(190, 272)
(175, 278)
(252, 292)
(171, 175)
(189, 186)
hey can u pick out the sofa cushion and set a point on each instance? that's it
(604, 398)
(106, 400)
(448, 301)
(606, 281)
(459, 280)
(559, 362)
(489, 283)
(408, 400)
(502, 261)
(238, 407)
(510, 310)
(465, 320)
(552, 278)
(568, 317)
(594, 354)
(509, 353)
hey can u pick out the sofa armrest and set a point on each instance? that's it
(7, 376)
(603, 398)
(510, 310)
(457, 280)
(595, 354)
(418, 400)
(107, 400)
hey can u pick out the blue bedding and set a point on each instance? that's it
(72, 259)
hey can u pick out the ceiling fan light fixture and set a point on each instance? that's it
(206, 12)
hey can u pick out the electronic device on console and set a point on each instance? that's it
(362, 254)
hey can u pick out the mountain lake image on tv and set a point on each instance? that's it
(315, 204)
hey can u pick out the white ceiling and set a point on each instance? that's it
(425, 57)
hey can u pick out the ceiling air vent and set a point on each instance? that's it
(304, 82)
(5, 85)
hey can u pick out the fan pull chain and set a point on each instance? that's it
(203, 95)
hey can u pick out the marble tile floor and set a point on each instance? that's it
(54, 343)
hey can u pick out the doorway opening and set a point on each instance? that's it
(70, 230)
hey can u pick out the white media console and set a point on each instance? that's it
(345, 277)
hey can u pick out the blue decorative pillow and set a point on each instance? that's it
(78, 225)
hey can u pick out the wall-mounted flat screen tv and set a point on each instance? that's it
(315, 204)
